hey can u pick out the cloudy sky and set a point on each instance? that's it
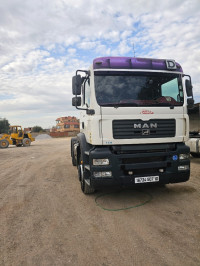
(43, 42)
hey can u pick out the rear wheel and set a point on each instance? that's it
(26, 142)
(4, 143)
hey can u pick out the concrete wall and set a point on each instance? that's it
(63, 134)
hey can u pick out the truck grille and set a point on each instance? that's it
(153, 128)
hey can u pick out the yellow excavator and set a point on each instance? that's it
(16, 137)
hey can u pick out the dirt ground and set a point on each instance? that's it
(45, 219)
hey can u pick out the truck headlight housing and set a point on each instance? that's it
(102, 174)
(104, 161)
(183, 167)
(184, 156)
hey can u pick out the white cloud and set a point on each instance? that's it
(87, 45)
(42, 43)
(71, 51)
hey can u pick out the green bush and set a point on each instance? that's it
(4, 125)
(37, 129)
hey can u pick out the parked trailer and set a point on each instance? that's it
(194, 144)
(194, 140)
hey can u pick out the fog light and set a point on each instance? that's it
(184, 156)
(101, 161)
(103, 174)
(183, 167)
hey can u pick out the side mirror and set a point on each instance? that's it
(190, 102)
(76, 85)
(76, 101)
(188, 86)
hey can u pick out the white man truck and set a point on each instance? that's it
(133, 122)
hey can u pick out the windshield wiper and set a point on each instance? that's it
(116, 105)
(163, 104)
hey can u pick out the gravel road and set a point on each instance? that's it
(46, 220)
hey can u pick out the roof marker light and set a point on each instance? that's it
(171, 64)
(98, 62)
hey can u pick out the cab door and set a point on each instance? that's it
(20, 133)
(85, 125)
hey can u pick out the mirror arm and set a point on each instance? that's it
(88, 111)
(85, 71)
(184, 75)
(84, 109)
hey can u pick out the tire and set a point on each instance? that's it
(26, 142)
(74, 163)
(195, 155)
(86, 189)
(4, 144)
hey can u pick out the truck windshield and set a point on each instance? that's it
(116, 88)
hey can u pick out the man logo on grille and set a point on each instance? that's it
(145, 125)
(145, 132)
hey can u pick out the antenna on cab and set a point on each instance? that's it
(133, 49)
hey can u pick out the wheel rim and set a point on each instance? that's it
(3, 144)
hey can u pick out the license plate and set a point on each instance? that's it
(146, 179)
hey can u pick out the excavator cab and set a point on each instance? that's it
(16, 132)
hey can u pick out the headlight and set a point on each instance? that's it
(184, 156)
(100, 161)
(183, 167)
(103, 174)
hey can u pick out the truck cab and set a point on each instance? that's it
(133, 122)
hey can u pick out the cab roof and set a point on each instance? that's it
(15, 126)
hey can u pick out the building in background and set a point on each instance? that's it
(66, 126)
(27, 129)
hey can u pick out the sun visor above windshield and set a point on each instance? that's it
(134, 63)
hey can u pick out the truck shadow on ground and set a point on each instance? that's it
(195, 160)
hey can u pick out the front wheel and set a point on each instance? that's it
(4, 143)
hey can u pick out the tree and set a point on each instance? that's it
(4, 125)
(37, 129)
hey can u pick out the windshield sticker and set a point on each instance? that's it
(146, 112)
(168, 99)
